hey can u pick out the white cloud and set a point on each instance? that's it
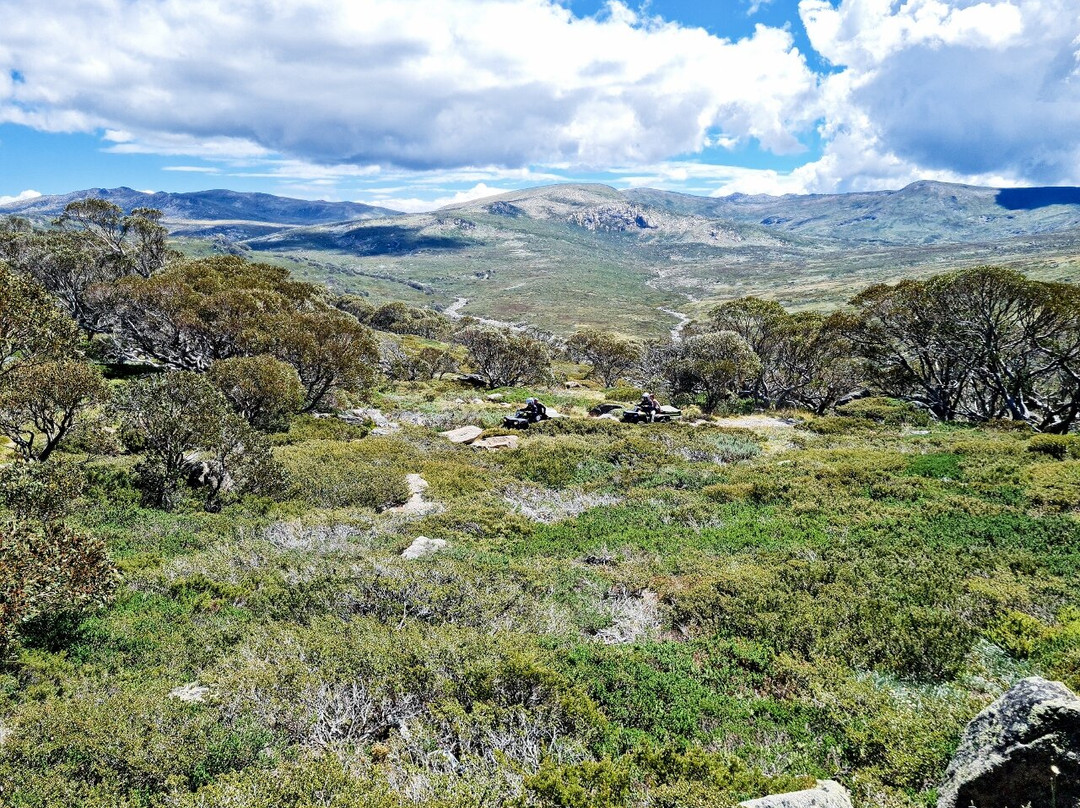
(422, 84)
(25, 196)
(192, 169)
(978, 92)
(417, 205)
(331, 96)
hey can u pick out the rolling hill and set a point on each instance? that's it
(565, 256)
(571, 255)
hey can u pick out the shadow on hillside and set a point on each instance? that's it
(1032, 198)
(371, 240)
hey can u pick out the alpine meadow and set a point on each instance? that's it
(556, 404)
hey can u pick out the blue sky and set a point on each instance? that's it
(416, 103)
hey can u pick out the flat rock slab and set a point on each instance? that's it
(464, 434)
(422, 547)
(498, 442)
(1024, 749)
(192, 693)
(827, 794)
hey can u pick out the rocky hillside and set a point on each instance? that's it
(635, 260)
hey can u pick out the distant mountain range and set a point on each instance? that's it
(563, 256)
(209, 212)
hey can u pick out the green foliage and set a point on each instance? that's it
(42, 492)
(939, 465)
(899, 611)
(41, 402)
(1056, 446)
(720, 366)
(610, 356)
(623, 394)
(556, 461)
(399, 318)
(1054, 484)
(504, 359)
(304, 428)
(32, 327)
(589, 784)
(314, 778)
(888, 411)
(329, 474)
(46, 569)
(262, 389)
(170, 416)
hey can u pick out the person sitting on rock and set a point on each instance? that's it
(534, 410)
(649, 406)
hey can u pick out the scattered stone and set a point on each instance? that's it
(422, 547)
(476, 401)
(1024, 749)
(464, 434)
(495, 397)
(415, 504)
(827, 794)
(359, 416)
(498, 442)
(572, 385)
(192, 693)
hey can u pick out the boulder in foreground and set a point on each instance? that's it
(1024, 749)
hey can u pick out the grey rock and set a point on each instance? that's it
(465, 434)
(1022, 749)
(422, 547)
(827, 794)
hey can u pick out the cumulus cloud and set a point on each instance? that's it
(981, 92)
(420, 84)
(25, 196)
(416, 205)
(428, 97)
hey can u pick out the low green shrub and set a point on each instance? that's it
(556, 461)
(938, 465)
(1054, 484)
(309, 427)
(1056, 446)
(331, 474)
(889, 411)
(624, 394)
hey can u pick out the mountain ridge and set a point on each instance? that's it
(212, 205)
(572, 255)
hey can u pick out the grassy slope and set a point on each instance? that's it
(835, 599)
(539, 264)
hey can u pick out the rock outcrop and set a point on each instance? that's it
(1023, 749)
(827, 794)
